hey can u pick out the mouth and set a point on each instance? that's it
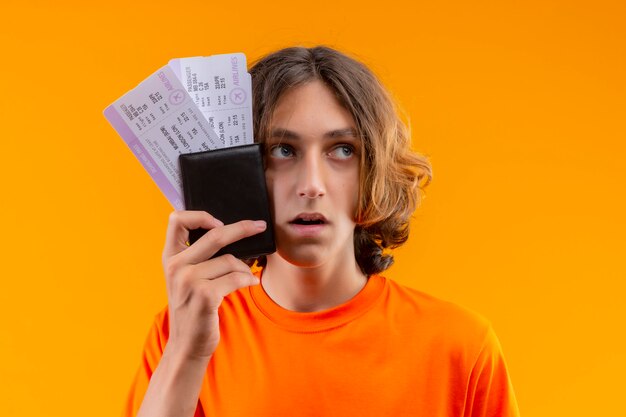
(309, 219)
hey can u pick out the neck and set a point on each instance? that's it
(308, 289)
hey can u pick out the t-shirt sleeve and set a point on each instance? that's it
(150, 357)
(490, 393)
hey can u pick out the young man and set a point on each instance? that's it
(317, 332)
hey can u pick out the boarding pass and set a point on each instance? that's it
(190, 105)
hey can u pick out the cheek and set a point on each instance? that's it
(269, 183)
(348, 195)
(352, 186)
(274, 182)
(276, 190)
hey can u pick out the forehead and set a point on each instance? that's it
(311, 109)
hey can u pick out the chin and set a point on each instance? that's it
(303, 257)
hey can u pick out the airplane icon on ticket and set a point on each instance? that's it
(177, 97)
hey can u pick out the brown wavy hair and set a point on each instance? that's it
(391, 175)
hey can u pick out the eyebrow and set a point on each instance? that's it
(289, 134)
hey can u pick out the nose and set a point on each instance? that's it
(311, 177)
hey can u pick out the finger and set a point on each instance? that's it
(228, 283)
(215, 268)
(180, 222)
(217, 238)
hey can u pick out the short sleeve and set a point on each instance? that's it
(490, 393)
(150, 358)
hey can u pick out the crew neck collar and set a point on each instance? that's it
(319, 321)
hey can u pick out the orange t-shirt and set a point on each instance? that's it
(389, 351)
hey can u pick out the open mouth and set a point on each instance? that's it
(306, 222)
(309, 219)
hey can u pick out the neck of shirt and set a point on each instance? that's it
(324, 319)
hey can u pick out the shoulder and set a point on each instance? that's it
(428, 307)
(445, 322)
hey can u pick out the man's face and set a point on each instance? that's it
(312, 173)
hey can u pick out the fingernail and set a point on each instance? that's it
(260, 224)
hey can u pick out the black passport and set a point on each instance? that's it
(230, 184)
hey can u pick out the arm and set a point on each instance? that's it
(490, 393)
(196, 286)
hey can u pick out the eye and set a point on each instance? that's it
(281, 151)
(343, 151)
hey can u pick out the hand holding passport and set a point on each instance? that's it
(190, 125)
(229, 183)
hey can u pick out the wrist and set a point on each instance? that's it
(175, 385)
(180, 359)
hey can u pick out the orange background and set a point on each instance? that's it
(520, 106)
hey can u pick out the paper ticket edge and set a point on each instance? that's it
(140, 152)
(174, 64)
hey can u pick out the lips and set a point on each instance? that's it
(309, 219)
